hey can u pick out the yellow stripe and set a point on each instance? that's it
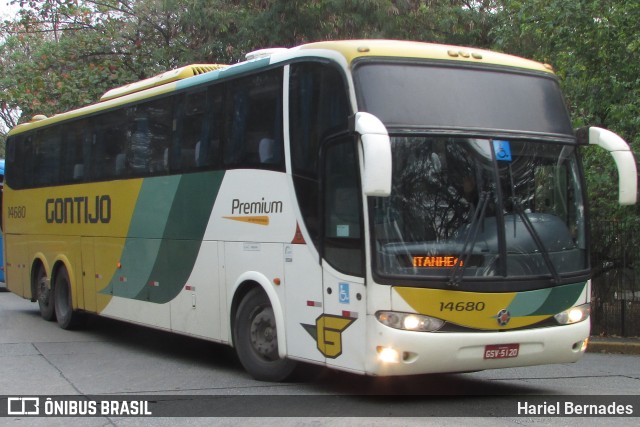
(470, 309)
(74, 203)
(257, 219)
(70, 209)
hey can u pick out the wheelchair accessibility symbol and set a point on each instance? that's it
(344, 293)
(502, 150)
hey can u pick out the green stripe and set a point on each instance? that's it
(183, 235)
(526, 303)
(153, 207)
(165, 236)
(546, 301)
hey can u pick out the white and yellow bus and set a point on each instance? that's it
(378, 207)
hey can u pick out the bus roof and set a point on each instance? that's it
(351, 50)
(354, 49)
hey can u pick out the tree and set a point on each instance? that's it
(58, 58)
(590, 43)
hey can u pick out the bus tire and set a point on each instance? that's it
(256, 340)
(65, 315)
(44, 294)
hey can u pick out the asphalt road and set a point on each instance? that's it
(115, 360)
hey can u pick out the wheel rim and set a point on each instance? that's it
(264, 339)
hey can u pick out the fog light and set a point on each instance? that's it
(388, 354)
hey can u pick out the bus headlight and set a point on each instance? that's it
(573, 315)
(409, 321)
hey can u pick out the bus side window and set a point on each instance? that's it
(198, 122)
(108, 145)
(150, 135)
(139, 147)
(207, 149)
(191, 131)
(88, 154)
(255, 136)
(47, 159)
(19, 154)
(73, 168)
(318, 106)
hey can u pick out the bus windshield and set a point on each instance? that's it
(481, 208)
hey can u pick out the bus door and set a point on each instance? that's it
(341, 329)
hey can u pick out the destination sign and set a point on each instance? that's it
(436, 261)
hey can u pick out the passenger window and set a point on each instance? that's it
(199, 129)
(108, 145)
(46, 153)
(149, 138)
(318, 107)
(255, 137)
(73, 156)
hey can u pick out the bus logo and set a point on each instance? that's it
(23, 406)
(328, 333)
(254, 212)
(503, 317)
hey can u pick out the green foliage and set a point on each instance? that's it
(593, 44)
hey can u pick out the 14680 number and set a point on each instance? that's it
(462, 306)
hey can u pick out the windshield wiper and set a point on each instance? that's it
(470, 239)
(536, 239)
(517, 206)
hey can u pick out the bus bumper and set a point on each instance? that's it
(425, 352)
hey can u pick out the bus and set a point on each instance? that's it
(378, 207)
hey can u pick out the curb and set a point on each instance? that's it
(614, 346)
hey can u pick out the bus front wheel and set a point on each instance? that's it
(44, 295)
(67, 318)
(256, 340)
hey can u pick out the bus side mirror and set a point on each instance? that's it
(376, 148)
(622, 155)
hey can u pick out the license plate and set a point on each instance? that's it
(501, 351)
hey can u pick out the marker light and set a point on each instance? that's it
(584, 346)
(573, 315)
(409, 321)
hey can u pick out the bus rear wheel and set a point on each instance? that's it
(67, 318)
(256, 340)
(44, 295)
